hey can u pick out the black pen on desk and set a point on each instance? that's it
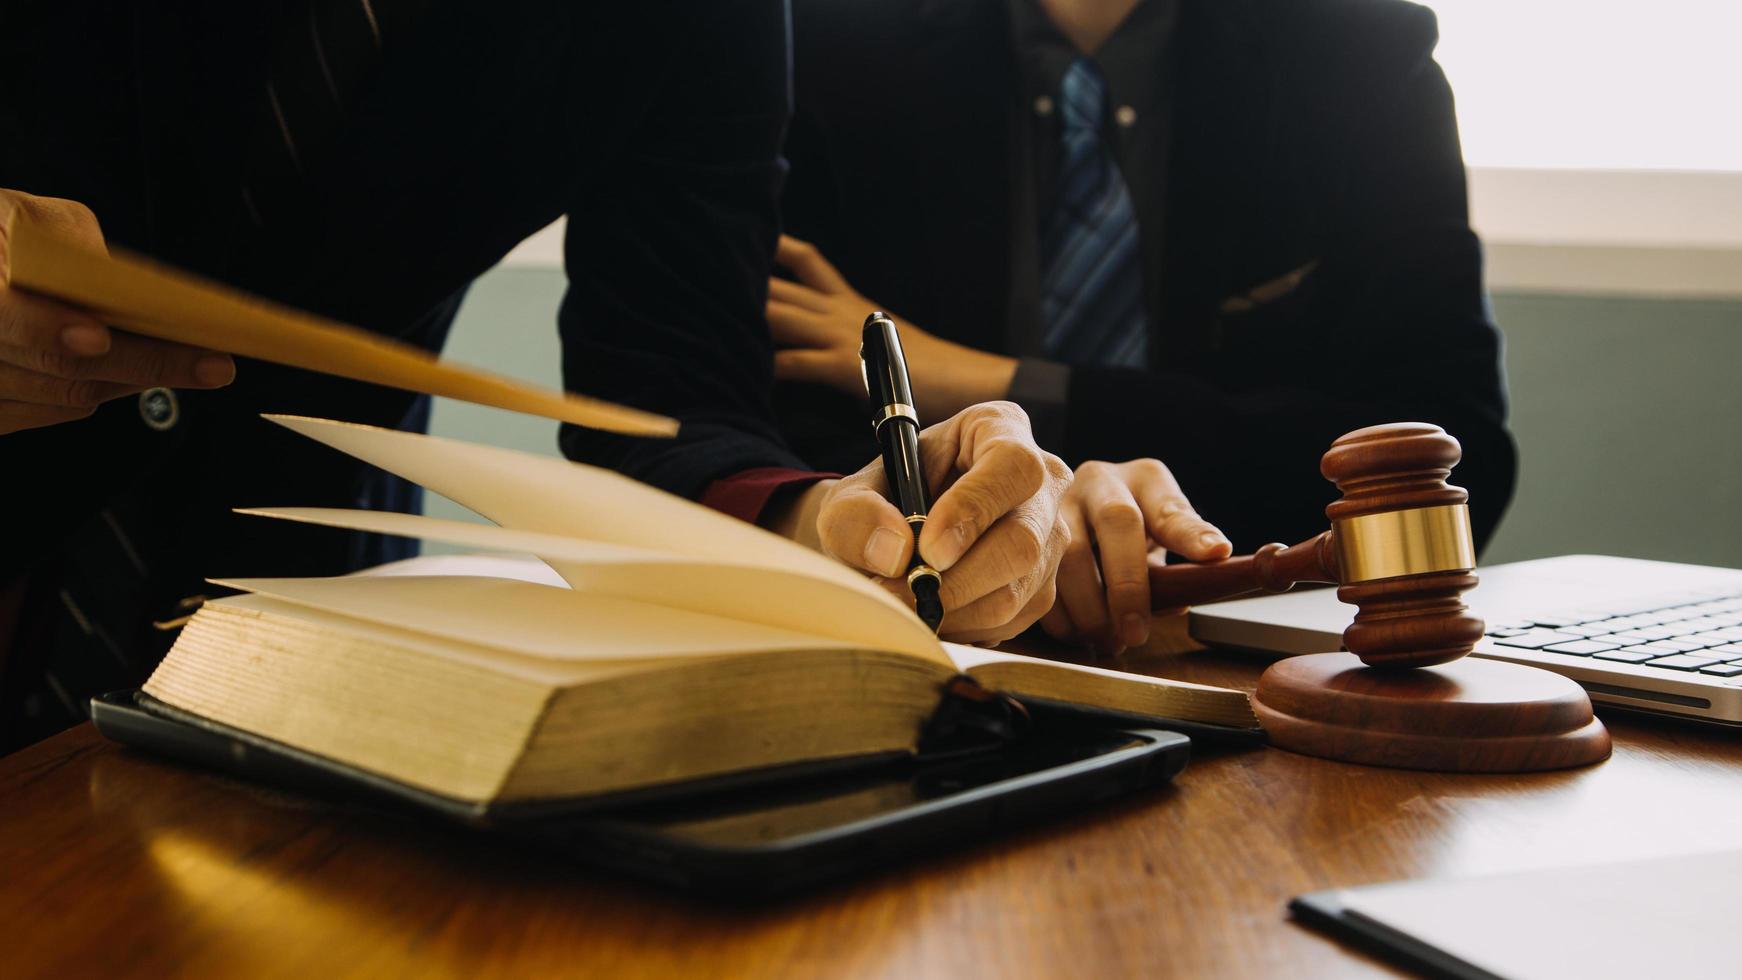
(896, 425)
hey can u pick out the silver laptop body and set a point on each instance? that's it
(1646, 635)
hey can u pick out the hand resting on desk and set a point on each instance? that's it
(57, 363)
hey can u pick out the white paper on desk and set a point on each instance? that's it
(1669, 918)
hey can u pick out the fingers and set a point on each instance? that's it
(1081, 610)
(58, 363)
(794, 326)
(814, 351)
(805, 365)
(794, 294)
(995, 531)
(1001, 468)
(1169, 515)
(1001, 558)
(994, 587)
(1122, 541)
(33, 322)
(990, 620)
(16, 416)
(859, 526)
(1122, 516)
(67, 220)
(835, 368)
(1057, 623)
(788, 325)
(996, 528)
(143, 361)
(821, 313)
(50, 391)
(130, 360)
(61, 344)
(808, 264)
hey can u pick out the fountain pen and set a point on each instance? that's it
(896, 425)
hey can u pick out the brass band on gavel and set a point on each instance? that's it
(1404, 542)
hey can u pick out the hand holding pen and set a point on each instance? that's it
(994, 534)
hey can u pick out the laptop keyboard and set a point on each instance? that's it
(1694, 634)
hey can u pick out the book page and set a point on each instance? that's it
(1107, 690)
(767, 595)
(530, 620)
(155, 300)
(967, 658)
(478, 564)
(555, 496)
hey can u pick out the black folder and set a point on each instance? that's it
(760, 834)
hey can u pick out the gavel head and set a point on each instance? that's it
(1404, 551)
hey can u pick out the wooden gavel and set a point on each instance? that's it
(1399, 547)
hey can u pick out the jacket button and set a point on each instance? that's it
(159, 408)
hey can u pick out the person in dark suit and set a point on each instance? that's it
(1210, 234)
(366, 159)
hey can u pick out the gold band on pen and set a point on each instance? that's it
(922, 571)
(895, 411)
(1404, 542)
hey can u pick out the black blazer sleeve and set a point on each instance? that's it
(668, 260)
(1411, 339)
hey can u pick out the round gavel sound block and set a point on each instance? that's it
(1468, 716)
(1401, 552)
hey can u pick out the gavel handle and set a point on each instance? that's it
(1272, 568)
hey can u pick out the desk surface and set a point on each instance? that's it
(113, 864)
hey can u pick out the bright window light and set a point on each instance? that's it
(1595, 84)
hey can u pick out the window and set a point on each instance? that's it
(1595, 84)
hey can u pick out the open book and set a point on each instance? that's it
(687, 644)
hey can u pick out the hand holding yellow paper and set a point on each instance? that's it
(149, 298)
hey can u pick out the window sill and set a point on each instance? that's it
(1661, 233)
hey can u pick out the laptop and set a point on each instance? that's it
(1650, 636)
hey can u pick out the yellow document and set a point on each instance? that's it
(152, 299)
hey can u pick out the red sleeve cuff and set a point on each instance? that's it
(745, 495)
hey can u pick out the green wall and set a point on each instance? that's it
(1628, 414)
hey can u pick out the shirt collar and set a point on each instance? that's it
(1128, 59)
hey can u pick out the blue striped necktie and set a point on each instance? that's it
(1091, 274)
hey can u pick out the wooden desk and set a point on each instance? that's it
(113, 864)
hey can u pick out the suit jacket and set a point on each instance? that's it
(1318, 272)
(655, 126)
